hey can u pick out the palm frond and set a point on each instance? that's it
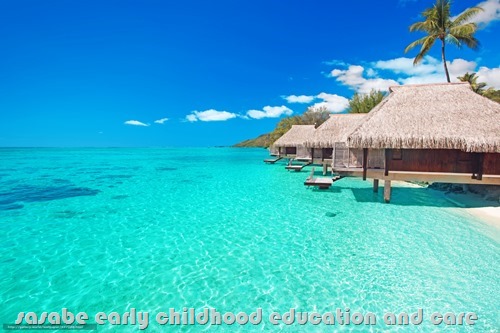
(470, 41)
(442, 13)
(453, 40)
(466, 15)
(416, 43)
(466, 29)
(426, 46)
(419, 26)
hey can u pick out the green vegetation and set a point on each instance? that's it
(492, 94)
(364, 103)
(439, 24)
(260, 141)
(480, 87)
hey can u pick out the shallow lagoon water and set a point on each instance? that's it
(114, 229)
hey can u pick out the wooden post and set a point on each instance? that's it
(324, 169)
(480, 167)
(348, 157)
(333, 157)
(312, 155)
(365, 162)
(387, 159)
(375, 185)
(279, 151)
(387, 191)
(475, 165)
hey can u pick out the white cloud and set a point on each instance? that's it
(458, 67)
(298, 99)
(161, 121)
(336, 62)
(490, 13)
(353, 78)
(405, 65)
(332, 102)
(210, 115)
(434, 72)
(191, 117)
(269, 112)
(135, 123)
(370, 72)
(431, 78)
(382, 74)
(489, 75)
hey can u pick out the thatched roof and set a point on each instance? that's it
(432, 116)
(296, 136)
(335, 129)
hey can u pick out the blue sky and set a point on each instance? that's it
(204, 73)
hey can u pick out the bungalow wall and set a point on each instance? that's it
(491, 164)
(442, 160)
(303, 152)
(321, 154)
(274, 151)
(299, 151)
(353, 158)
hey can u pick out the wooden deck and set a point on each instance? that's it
(297, 167)
(272, 160)
(322, 183)
(431, 177)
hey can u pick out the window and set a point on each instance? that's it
(291, 150)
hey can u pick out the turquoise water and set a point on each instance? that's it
(114, 229)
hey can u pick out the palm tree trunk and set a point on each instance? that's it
(444, 61)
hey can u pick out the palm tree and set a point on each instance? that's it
(479, 88)
(472, 79)
(439, 24)
(364, 103)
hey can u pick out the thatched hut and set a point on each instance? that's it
(291, 144)
(433, 132)
(329, 142)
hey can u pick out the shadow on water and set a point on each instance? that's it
(165, 169)
(66, 214)
(120, 197)
(60, 181)
(407, 196)
(114, 177)
(332, 190)
(29, 193)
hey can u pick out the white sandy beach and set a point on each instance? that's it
(485, 210)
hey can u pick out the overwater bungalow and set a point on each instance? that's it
(329, 143)
(292, 143)
(432, 133)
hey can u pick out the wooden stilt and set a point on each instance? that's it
(387, 191)
(375, 185)
(333, 156)
(365, 162)
(480, 167)
(387, 159)
(325, 169)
